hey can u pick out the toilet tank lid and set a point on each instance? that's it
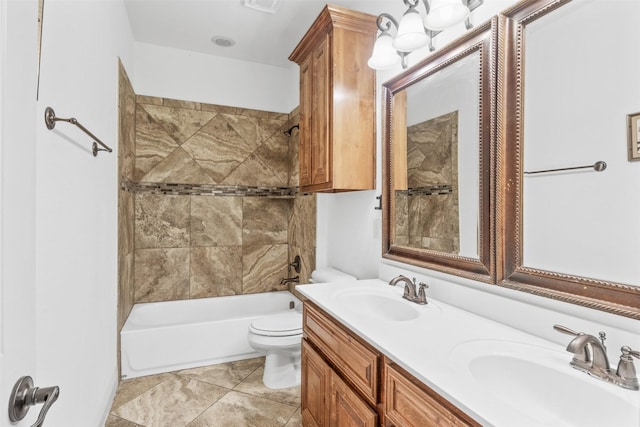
(282, 322)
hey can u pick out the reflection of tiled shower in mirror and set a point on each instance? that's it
(429, 207)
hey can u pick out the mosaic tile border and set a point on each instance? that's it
(427, 191)
(208, 190)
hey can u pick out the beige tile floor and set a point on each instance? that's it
(225, 395)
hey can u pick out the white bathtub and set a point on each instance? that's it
(167, 336)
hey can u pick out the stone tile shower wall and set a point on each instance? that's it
(190, 245)
(427, 213)
(126, 167)
(302, 226)
(176, 239)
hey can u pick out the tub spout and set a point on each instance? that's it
(288, 280)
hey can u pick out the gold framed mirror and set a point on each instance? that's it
(570, 233)
(438, 159)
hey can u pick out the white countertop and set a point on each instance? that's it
(434, 347)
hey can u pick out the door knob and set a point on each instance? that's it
(25, 395)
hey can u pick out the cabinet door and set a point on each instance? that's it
(408, 404)
(347, 408)
(306, 100)
(320, 114)
(315, 388)
(354, 360)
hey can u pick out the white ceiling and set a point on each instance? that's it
(260, 37)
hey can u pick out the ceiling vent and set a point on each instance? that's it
(222, 41)
(268, 6)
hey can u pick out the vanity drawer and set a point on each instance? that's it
(407, 402)
(357, 362)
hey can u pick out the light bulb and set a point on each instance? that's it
(445, 13)
(384, 55)
(411, 34)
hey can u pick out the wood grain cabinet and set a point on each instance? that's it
(346, 382)
(352, 358)
(327, 400)
(409, 403)
(337, 102)
(316, 382)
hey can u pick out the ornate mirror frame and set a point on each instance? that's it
(603, 295)
(482, 39)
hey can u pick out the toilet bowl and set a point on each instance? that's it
(280, 337)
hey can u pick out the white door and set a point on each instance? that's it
(18, 60)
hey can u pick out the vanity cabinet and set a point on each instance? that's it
(408, 402)
(327, 400)
(346, 382)
(337, 102)
(352, 358)
(315, 380)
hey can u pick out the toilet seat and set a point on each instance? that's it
(279, 337)
(278, 325)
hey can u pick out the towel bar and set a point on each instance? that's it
(50, 120)
(597, 166)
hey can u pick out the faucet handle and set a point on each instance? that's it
(626, 370)
(626, 350)
(422, 295)
(295, 264)
(627, 353)
(566, 330)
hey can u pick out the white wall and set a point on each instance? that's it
(76, 204)
(348, 232)
(179, 74)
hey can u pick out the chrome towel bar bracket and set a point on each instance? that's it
(50, 120)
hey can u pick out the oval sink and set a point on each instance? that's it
(381, 306)
(555, 394)
(384, 304)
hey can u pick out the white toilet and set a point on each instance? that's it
(280, 337)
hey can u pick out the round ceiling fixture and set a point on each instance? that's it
(223, 41)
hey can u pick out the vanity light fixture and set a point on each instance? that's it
(414, 32)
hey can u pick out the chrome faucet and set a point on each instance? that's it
(418, 296)
(590, 356)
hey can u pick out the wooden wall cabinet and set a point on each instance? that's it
(346, 383)
(337, 102)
